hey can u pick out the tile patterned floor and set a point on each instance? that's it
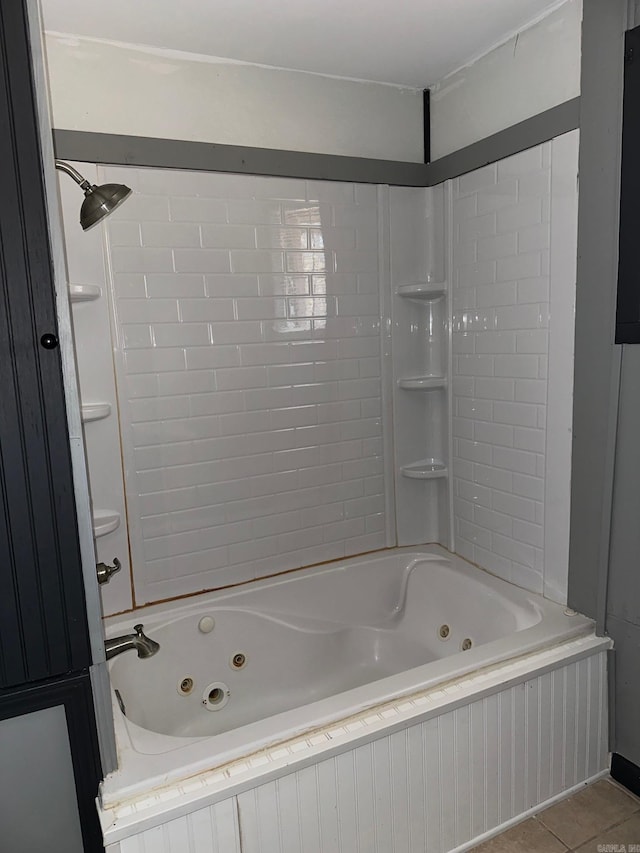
(602, 818)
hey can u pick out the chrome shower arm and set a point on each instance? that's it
(99, 201)
(77, 177)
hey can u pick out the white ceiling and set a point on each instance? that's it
(406, 42)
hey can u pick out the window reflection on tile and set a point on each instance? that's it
(309, 214)
(288, 327)
(318, 284)
(308, 307)
(287, 285)
(307, 262)
(316, 239)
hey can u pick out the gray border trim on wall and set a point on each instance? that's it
(211, 157)
(526, 134)
(206, 156)
(596, 376)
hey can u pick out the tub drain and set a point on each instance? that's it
(216, 696)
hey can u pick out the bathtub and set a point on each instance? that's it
(242, 670)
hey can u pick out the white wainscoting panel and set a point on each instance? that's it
(211, 830)
(440, 785)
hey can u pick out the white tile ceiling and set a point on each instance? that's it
(406, 42)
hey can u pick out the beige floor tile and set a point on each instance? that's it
(624, 790)
(626, 833)
(527, 837)
(587, 814)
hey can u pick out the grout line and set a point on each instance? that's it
(599, 834)
(601, 831)
(550, 831)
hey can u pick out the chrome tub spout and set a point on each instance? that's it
(144, 646)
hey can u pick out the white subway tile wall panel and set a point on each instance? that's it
(247, 326)
(514, 239)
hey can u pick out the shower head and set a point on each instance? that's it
(99, 201)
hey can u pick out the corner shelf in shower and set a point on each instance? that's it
(426, 469)
(95, 412)
(83, 292)
(426, 290)
(422, 383)
(105, 521)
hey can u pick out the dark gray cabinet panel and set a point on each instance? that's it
(38, 739)
(628, 304)
(67, 770)
(43, 630)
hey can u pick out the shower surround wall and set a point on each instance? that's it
(252, 325)
(247, 318)
(513, 265)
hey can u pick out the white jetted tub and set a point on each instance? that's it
(243, 669)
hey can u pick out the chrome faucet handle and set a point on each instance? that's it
(145, 645)
(104, 571)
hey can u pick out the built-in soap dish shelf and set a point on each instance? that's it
(425, 290)
(95, 411)
(422, 383)
(426, 469)
(83, 292)
(105, 521)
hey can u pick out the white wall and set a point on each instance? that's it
(129, 89)
(533, 71)
(514, 263)
(125, 89)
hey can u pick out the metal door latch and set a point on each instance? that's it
(104, 571)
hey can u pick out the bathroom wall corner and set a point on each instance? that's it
(562, 279)
(386, 328)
